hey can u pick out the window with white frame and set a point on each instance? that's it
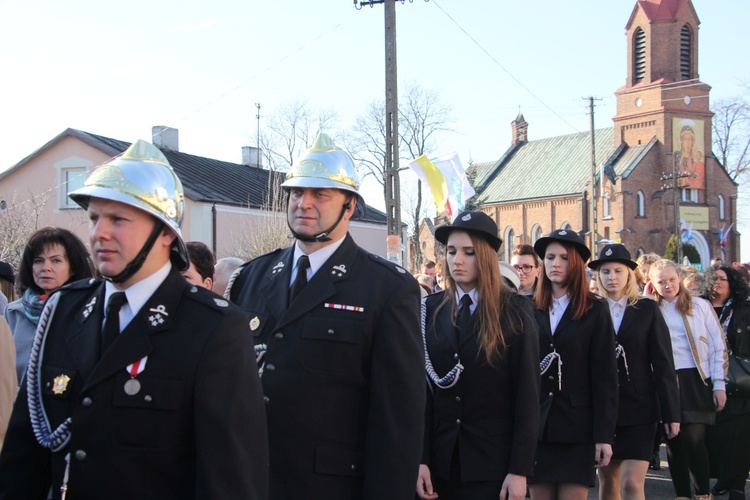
(640, 204)
(71, 173)
(510, 243)
(606, 208)
(722, 208)
(689, 195)
(536, 233)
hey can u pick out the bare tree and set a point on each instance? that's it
(18, 221)
(731, 135)
(263, 232)
(422, 118)
(290, 130)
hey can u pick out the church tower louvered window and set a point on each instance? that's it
(639, 56)
(686, 38)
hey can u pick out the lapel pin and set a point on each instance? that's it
(88, 308)
(254, 323)
(221, 302)
(278, 267)
(339, 270)
(60, 384)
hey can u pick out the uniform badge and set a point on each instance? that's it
(401, 269)
(277, 268)
(563, 232)
(194, 289)
(254, 323)
(88, 308)
(339, 270)
(157, 318)
(60, 384)
(221, 302)
(466, 217)
(608, 252)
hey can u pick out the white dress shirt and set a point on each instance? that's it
(617, 311)
(557, 310)
(317, 258)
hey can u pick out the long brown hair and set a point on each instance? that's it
(575, 284)
(493, 298)
(684, 297)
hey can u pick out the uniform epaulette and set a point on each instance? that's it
(208, 298)
(83, 284)
(272, 252)
(395, 268)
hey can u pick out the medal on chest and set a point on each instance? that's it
(133, 386)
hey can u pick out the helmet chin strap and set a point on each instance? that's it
(320, 237)
(135, 264)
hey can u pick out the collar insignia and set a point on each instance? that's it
(339, 270)
(157, 318)
(278, 267)
(88, 308)
(60, 384)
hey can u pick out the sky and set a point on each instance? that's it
(118, 69)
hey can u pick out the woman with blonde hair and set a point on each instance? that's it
(700, 358)
(578, 396)
(481, 351)
(648, 385)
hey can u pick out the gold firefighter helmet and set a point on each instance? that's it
(141, 177)
(324, 166)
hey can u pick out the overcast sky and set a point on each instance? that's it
(117, 69)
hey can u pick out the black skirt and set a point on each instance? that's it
(560, 463)
(696, 398)
(634, 442)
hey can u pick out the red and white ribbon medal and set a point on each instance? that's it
(133, 386)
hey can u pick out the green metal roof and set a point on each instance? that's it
(556, 166)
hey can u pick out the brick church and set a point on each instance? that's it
(662, 125)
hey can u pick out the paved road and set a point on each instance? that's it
(659, 483)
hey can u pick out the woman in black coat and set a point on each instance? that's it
(648, 384)
(729, 440)
(578, 395)
(482, 415)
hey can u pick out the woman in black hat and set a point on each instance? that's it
(578, 395)
(647, 376)
(482, 350)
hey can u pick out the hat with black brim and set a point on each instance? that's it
(562, 236)
(478, 223)
(614, 252)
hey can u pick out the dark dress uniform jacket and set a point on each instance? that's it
(644, 336)
(493, 411)
(196, 428)
(585, 409)
(343, 375)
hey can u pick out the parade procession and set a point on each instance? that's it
(568, 321)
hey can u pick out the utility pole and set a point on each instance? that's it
(594, 202)
(392, 182)
(675, 177)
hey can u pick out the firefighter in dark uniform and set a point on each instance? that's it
(338, 338)
(159, 399)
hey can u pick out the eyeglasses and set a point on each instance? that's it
(525, 269)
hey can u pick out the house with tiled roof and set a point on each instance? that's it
(652, 168)
(226, 204)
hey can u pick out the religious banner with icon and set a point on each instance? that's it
(689, 151)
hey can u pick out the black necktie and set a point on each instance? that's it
(463, 321)
(112, 323)
(301, 279)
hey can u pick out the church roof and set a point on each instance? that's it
(554, 167)
(661, 10)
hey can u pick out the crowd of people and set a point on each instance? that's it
(142, 367)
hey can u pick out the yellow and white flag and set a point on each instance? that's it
(447, 179)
